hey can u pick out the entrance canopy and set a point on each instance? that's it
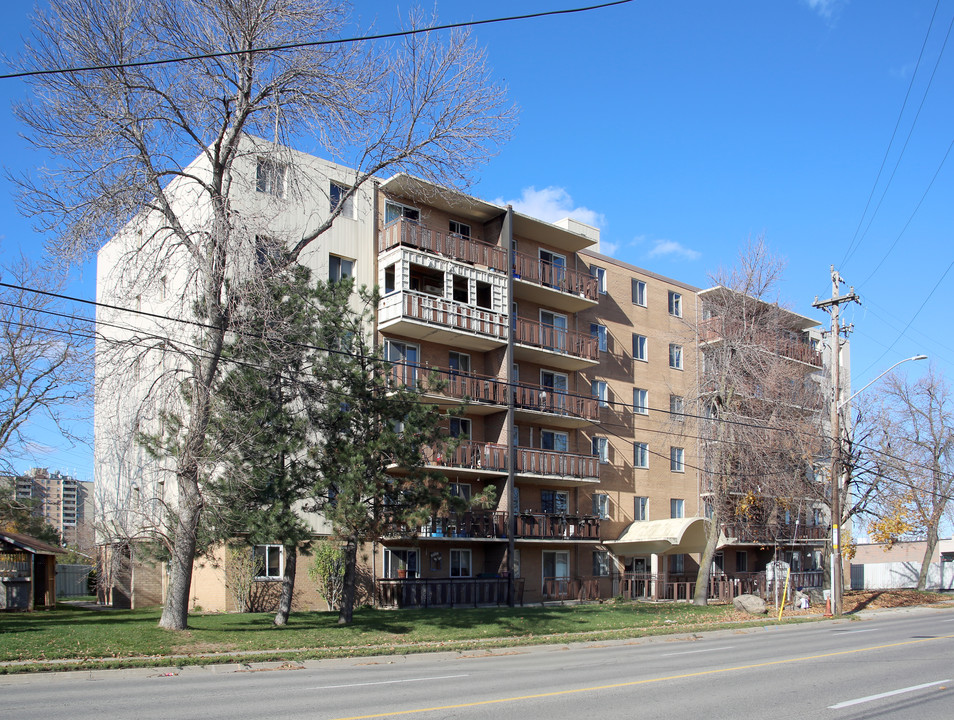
(659, 537)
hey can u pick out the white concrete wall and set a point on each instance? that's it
(896, 575)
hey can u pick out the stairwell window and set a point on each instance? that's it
(677, 459)
(675, 304)
(338, 195)
(599, 332)
(641, 509)
(601, 392)
(641, 455)
(339, 268)
(675, 356)
(271, 177)
(600, 275)
(601, 505)
(639, 293)
(640, 401)
(677, 508)
(676, 408)
(601, 449)
(639, 348)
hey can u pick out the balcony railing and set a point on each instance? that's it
(471, 455)
(444, 592)
(443, 313)
(493, 390)
(548, 337)
(412, 234)
(548, 526)
(558, 277)
(492, 524)
(780, 343)
(774, 532)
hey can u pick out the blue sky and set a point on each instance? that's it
(683, 128)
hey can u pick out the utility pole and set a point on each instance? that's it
(832, 306)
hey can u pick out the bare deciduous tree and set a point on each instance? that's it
(758, 404)
(914, 445)
(45, 360)
(123, 138)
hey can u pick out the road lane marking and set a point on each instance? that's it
(387, 682)
(690, 652)
(648, 681)
(852, 632)
(849, 703)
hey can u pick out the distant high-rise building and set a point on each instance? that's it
(65, 502)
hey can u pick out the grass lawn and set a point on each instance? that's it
(71, 633)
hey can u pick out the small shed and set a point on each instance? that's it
(27, 572)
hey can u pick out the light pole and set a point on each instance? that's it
(836, 481)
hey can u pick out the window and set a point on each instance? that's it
(641, 510)
(404, 358)
(601, 505)
(600, 275)
(400, 563)
(599, 332)
(640, 401)
(601, 449)
(677, 508)
(460, 563)
(458, 362)
(677, 564)
(552, 269)
(553, 389)
(459, 228)
(339, 268)
(639, 348)
(460, 490)
(677, 459)
(675, 356)
(741, 561)
(601, 563)
(601, 392)
(389, 279)
(554, 502)
(395, 211)
(268, 251)
(271, 177)
(553, 330)
(639, 293)
(460, 428)
(268, 561)
(817, 517)
(641, 454)
(460, 289)
(550, 440)
(336, 196)
(675, 304)
(676, 410)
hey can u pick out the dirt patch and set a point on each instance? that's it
(854, 600)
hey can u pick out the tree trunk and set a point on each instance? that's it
(930, 545)
(701, 595)
(175, 612)
(288, 585)
(346, 612)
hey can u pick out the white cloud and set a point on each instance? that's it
(825, 8)
(663, 248)
(608, 248)
(552, 204)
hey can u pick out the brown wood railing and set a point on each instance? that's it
(447, 592)
(413, 234)
(456, 316)
(547, 337)
(535, 270)
(550, 526)
(484, 388)
(552, 462)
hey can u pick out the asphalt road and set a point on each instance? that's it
(892, 665)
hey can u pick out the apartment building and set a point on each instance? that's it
(570, 368)
(63, 501)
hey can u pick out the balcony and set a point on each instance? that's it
(551, 467)
(547, 526)
(409, 233)
(430, 317)
(484, 394)
(553, 346)
(493, 525)
(785, 344)
(766, 534)
(553, 285)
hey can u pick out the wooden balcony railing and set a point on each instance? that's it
(447, 592)
(558, 277)
(577, 588)
(490, 524)
(493, 390)
(444, 313)
(548, 526)
(783, 343)
(561, 464)
(773, 532)
(548, 337)
(413, 234)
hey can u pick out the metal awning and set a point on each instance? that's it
(658, 537)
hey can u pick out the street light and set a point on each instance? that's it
(836, 483)
(856, 394)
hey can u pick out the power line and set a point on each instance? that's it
(313, 43)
